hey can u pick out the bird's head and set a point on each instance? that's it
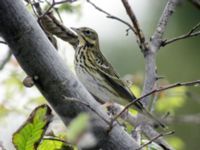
(87, 35)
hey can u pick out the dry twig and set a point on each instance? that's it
(191, 33)
(111, 16)
(192, 83)
(56, 3)
(155, 138)
(142, 43)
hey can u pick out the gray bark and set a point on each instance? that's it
(38, 57)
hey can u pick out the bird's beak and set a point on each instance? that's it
(76, 30)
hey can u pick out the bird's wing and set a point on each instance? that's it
(113, 79)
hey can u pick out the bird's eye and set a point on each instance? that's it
(87, 32)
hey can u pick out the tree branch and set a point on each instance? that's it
(155, 138)
(156, 38)
(154, 46)
(27, 41)
(191, 83)
(140, 35)
(56, 3)
(149, 132)
(191, 33)
(144, 127)
(111, 16)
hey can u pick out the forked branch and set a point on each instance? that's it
(190, 34)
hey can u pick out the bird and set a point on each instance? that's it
(98, 75)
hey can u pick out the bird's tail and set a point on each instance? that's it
(145, 112)
(151, 116)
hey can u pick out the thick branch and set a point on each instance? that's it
(156, 39)
(155, 43)
(38, 57)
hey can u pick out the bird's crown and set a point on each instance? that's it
(89, 35)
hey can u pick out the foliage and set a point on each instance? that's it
(29, 135)
(51, 144)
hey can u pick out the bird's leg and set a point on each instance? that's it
(113, 110)
(107, 106)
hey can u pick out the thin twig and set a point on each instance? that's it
(191, 33)
(111, 16)
(6, 59)
(146, 128)
(150, 132)
(155, 138)
(3, 42)
(196, 82)
(56, 10)
(142, 43)
(55, 3)
(32, 6)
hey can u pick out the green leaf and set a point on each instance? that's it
(77, 127)
(29, 135)
(50, 144)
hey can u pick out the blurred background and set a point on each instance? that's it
(177, 62)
